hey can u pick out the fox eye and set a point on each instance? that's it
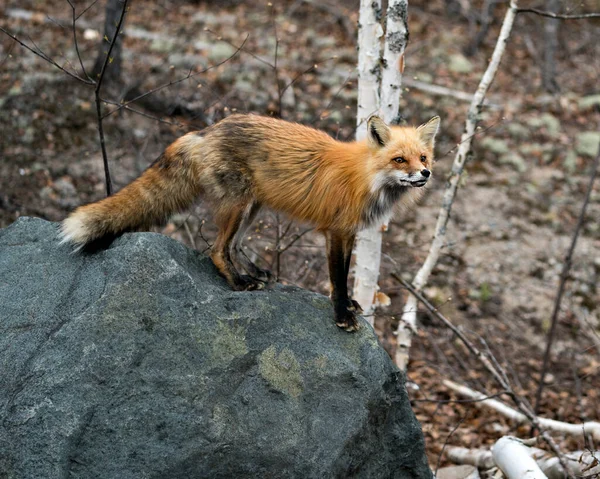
(399, 159)
(423, 158)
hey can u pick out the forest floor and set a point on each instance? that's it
(511, 222)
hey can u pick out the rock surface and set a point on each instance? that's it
(140, 362)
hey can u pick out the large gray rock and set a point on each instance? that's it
(140, 362)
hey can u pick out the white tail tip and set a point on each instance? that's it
(73, 230)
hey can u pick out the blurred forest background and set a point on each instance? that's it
(512, 220)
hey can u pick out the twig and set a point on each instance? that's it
(558, 16)
(466, 341)
(444, 91)
(296, 238)
(190, 235)
(147, 115)
(461, 401)
(98, 100)
(10, 48)
(408, 322)
(253, 55)
(86, 9)
(439, 459)
(493, 367)
(45, 57)
(190, 74)
(278, 86)
(74, 19)
(563, 279)
(584, 429)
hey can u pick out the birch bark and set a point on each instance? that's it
(512, 456)
(368, 242)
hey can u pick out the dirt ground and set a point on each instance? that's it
(511, 222)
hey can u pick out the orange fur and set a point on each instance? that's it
(246, 161)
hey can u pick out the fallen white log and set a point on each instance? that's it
(591, 428)
(578, 462)
(512, 457)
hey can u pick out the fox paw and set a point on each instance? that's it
(347, 319)
(248, 283)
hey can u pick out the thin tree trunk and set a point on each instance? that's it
(368, 244)
(408, 324)
(369, 52)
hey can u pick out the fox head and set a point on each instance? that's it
(401, 156)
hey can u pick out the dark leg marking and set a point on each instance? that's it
(339, 251)
(239, 254)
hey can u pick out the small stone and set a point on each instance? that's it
(517, 130)
(570, 161)
(162, 45)
(495, 145)
(547, 121)
(514, 160)
(220, 51)
(588, 143)
(459, 64)
(588, 101)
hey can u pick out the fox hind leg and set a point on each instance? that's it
(239, 254)
(229, 219)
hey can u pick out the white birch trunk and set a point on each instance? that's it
(512, 456)
(369, 52)
(368, 242)
(408, 323)
(591, 427)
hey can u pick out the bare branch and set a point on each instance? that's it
(253, 55)
(558, 16)
(74, 20)
(10, 48)
(146, 115)
(493, 367)
(45, 57)
(86, 9)
(174, 82)
(563, 279)
(408, 321)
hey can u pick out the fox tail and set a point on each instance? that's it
(169, 185)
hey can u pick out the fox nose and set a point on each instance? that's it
(426, 173)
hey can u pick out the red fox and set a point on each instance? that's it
(245, 162)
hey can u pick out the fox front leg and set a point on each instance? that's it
(339, 249)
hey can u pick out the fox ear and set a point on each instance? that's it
(378, 132)
(428, 130)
